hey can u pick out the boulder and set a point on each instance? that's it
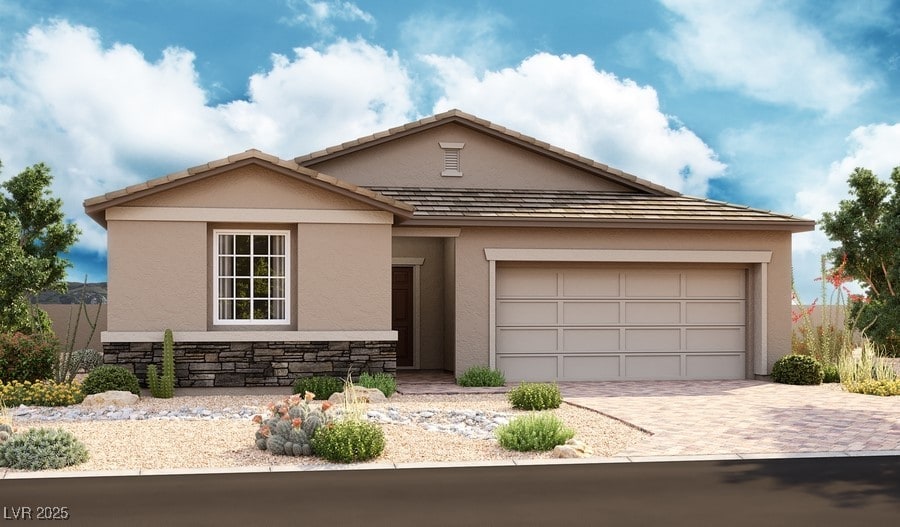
(110, 398)
(573, 448)
(365, 395)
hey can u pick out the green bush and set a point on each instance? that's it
(831, 373)
(42, 448)
(481, 376)
(535, 396)
(41, 393)
(382, 381)
(882, 387)
(163, 387)
(27, 357)
(348, 441)
(322, 387)
(106, 378)
(540, 431)
(797, 369)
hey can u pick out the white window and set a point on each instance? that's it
(452, 160)
(251, 278)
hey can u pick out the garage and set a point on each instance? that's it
(579, 322)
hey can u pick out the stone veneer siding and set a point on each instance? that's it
(255, 363)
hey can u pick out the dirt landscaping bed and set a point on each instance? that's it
(228, 442)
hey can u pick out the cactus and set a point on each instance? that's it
(163, 386)
(6, 432)
(290, 427)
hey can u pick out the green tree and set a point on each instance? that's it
(33, 233)
(868, 229)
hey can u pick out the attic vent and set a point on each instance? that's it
(452, 165)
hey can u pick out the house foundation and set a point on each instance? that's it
(244, 364)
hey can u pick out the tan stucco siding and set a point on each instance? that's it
(157, 274)
(250, 186)
(344, 277)
(431, 294)
(417, 161)
(472, 292)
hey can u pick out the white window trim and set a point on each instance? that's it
(287, 279)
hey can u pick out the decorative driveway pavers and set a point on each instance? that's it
(743, 417)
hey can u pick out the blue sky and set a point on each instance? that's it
(769, 104)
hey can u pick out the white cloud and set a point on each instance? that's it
(473, 37)
(321, 15)
(762, 50)
(104, 118)
(566, 101)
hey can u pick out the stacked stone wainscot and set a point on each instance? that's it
(215, 364)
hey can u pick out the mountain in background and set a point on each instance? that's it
(93, 294)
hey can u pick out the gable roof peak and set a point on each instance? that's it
(499, 132)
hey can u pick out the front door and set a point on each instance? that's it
(402, 314)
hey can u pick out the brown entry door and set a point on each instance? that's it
(402, 314)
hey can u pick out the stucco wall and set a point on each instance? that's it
(63, 316)
(344, 277)
(431, 296)
(417, 161)
(472, 277)
(158, 275)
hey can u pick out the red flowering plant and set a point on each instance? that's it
(827, 335)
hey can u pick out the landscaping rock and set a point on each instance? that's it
(370, 395)
(110, 398)
(573, 448)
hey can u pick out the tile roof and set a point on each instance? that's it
(502, 132)
(95, 206)
(581, 206)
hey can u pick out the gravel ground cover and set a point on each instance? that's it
(228, 442)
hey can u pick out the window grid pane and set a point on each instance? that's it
(251, 277)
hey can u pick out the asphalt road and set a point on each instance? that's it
(796, 492)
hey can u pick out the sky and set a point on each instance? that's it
(764, 103)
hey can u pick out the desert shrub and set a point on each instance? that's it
(535, 396)
(539, 431)
(881, 387)
(40, 393)
(797, 369)
(831, 373)
(349, 441)
(321, 387)
(481, 376)
(106, 378)
(163, 387)
(27, 357)
(382, 381)
(42, 448)
(291, 426)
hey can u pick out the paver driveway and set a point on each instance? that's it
(743, 417)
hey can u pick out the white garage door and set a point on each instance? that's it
(596, 323)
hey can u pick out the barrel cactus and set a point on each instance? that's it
(291, 425)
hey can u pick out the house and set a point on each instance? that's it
(445, 243)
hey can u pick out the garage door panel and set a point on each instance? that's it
(656, 339)
(590, 313)
(653, 367)
(652, 284)
(591, 339)
(590, 368)
(715, 312)
(714, 283)
(526, 313)
(528, 368)
(714, 339)
(513, 340)
(527, 283)
(590, 282)
(715, 366)
(652, 313)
